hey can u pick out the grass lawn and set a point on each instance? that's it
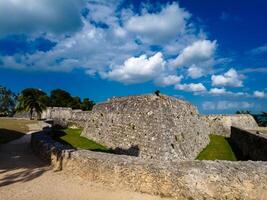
(217, 149)
(11, 129)
(74, 138)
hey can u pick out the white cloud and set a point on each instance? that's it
(191, 87)
(226, 105)
(259, 50)
(160, 27)
(42, 16)
(259, 94)
(256, 69)
(168, 80)
(208, 105)
(218, 91)
(138, 69)
(230, 78)
(110, 51)
(196, 53)
(195, 72)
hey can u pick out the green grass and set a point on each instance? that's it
(11, 129)
(217, 149)
(74, 138)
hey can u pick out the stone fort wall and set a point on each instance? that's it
(252, 145)
(218, 124)
(221, 124)
(149, 126)
(196, 180)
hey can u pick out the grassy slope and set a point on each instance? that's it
(217, 149)
(11, 129)
(74, 138)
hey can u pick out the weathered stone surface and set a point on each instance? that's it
(64, 116)
(251, 144)
(221, 124)
(183, 180)
(149, 126)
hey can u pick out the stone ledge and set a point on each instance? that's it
(181, 180)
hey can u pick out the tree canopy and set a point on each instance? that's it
(7, 101)
(32, 99)
(62, 98)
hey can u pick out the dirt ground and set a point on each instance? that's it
(23, 176)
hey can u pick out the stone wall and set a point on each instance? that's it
(64, 116)
(221, 124)
(149, 126)
(251, 144)
(182, 180)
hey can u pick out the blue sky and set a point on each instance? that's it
(211, 53)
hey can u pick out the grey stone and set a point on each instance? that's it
(149, 126)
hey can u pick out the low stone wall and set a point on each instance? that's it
(181, 180)
(221, 124)
(249, 143)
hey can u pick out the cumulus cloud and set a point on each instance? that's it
(170, 22)
(226, 105)
(231, 78)
(195, 72)
(259, 94)
(218, 91)
(196, 53)
(168, 80)
(191, 87)
(223, 91)
(42, 16)
(138, 69)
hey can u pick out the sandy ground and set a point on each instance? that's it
(23, 176)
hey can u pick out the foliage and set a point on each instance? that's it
(31, 100)
(87, 104)
(7, 101)
(261, 119)
(217, 149)
(61, 98)
(243, 112)
(74, 138)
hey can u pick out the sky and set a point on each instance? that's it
(210, 53)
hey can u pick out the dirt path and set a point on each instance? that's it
(23, 176)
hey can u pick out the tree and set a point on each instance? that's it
(87, 104)
(76, 103)
(60, 98)
(31, 100)
(7, 101)
(262, 121)
(243, 112)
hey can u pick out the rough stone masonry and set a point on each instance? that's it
(149, 126)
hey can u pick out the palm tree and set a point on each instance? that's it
(31, 100)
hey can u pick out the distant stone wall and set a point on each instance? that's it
(149, 126)
(251, 144)
(63, 116)
(221, 124)
(195, 180)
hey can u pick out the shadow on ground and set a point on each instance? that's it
(17, 161)
(9, 135)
